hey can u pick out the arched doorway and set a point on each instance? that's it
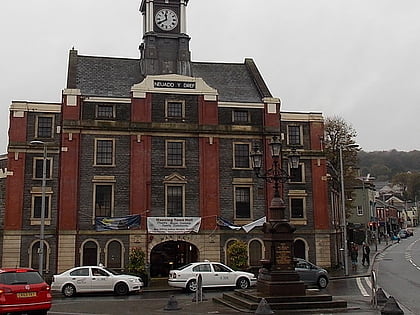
(299, 249)
(170, 255)
(90, 254)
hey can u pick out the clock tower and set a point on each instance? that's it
(165, 47)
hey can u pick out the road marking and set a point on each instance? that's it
(368, 282)
(361, 287)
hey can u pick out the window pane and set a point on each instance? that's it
(45, 127)
(38, 207)
(241, 155)
(174, 201)
(39, 168)
(296, 174)
(174, 154)
(240, 116)
(297, 208)
(105, 111)
(294, 135)
(174, 109)
(104, 152)
(243, 205)
(103, 198)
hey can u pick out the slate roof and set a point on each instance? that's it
(114, 77)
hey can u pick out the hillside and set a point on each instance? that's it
(385, 164)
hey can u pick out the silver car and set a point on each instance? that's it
(311, 274)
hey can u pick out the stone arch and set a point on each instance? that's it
(34, 256)
(118, 261)
(171, 254)
(255, 254)
(87, 252)
(300, 248)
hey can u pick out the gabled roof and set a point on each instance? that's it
(114, 77)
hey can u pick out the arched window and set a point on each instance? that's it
(255, 253)
(299, 249)
(90, 254)
(114, 253)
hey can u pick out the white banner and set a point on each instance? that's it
(173, 225)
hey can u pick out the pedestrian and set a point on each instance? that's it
(365, 253)
(354, 252)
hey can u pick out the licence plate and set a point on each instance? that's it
(26, 294)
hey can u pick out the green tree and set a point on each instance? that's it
(238, 255)
(137, 261)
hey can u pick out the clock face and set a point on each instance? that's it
(166, 19)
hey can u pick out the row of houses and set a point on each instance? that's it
(379, 211)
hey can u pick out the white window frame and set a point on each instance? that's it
(48, 203)
(300, 134)
(95, 185)
(183, 153)
(302, 168)
(168, 101)
(251, 197)
(48, 174)
(234, 155)
(37, 126)
(96, 153)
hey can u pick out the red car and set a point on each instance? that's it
(23, 290)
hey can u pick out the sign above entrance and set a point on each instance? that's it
(173, 225)
(174, 84)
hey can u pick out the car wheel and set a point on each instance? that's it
(242, 283)
(69, 290)
(121, 289)
(322, 282)
(192, 286)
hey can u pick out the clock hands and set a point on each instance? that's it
(165, 19)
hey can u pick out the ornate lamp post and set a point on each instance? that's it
(278, 275)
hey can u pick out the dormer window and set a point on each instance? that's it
(240, 116)
(105, 111)
(175, 109)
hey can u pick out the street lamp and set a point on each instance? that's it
(42, 225)
(343, 207)
(278, 276)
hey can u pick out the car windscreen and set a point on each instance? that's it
(11, 278)
(183, 267)
(112, 271)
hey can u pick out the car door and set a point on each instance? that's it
(223, 276)
(305, 272)
(101, 280)
(206, 274)
(81, 279)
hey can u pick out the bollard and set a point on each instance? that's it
(381, 298)
(263, 308)
(172, 304)
(391, 307)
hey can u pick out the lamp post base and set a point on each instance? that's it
(280, 283)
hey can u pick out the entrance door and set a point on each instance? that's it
(170, 255)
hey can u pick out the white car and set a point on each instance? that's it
(95, 279)
(213, 274)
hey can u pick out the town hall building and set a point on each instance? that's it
(154, 153)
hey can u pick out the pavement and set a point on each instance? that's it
(357, 304)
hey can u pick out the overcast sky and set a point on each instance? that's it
(357, 59)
